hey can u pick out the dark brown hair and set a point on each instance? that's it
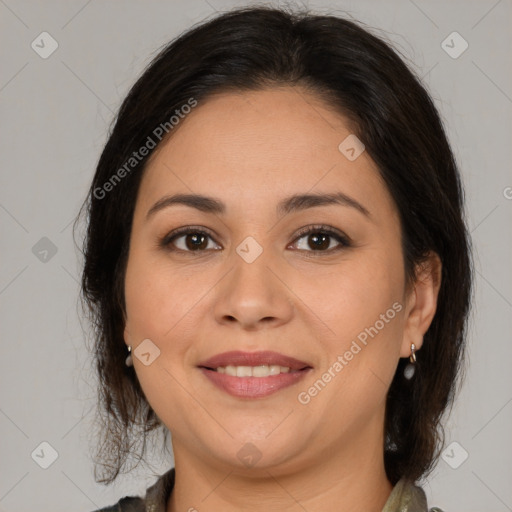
(355, 73)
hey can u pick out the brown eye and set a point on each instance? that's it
(189, 240)
(317, 239)
(195, 241)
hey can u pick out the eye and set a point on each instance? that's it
(320, 238)
(188, 239)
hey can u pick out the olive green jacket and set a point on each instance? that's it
(405, 497)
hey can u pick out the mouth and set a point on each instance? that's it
(253, 371)
(253, 374)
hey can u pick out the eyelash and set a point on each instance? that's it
(345, 241)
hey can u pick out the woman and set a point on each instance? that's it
(278, 270)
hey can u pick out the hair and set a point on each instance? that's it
(357, 74)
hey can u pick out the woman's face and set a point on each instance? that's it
(247, 279)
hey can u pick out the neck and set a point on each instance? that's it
(352, 480)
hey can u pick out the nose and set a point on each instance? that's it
(254, 295)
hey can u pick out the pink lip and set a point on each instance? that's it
(253, 387)
(266, 357)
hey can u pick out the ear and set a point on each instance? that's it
(127, 337)
(421, 303)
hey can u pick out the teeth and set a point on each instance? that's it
(243, 371)
(253, 371)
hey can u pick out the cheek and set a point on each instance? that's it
(361, 304)
(156, 306)
(165, 305)
(142, 297)
(351, 296)
(155, 299)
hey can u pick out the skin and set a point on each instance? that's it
(250, 150)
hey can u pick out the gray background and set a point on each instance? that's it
(55, 114)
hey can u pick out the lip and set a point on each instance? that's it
(265, 357)
(253, 387)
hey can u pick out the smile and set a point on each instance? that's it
(254, 371)
(253, 374)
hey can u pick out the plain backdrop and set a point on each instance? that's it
(55, 115)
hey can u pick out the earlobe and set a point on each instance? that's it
(126, 335)
(422, 303)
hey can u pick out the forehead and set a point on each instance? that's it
(258, 146)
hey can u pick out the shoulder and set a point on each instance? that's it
(406, 496)
(126, 504)
(155, 499)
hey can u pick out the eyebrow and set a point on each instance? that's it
(297, 202)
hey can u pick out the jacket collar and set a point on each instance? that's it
(405, 496)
